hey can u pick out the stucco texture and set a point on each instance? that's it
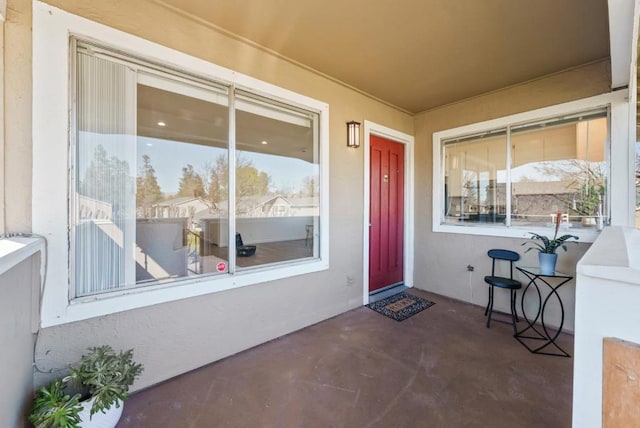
(17, 115)
(441, 259)
(175, 337)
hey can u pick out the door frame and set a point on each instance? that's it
(371, 128)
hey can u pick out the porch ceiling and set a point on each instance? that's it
(418, 54)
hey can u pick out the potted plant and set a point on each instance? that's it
(103, 378)
(546, 247)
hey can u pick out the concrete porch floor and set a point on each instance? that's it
(439, 368)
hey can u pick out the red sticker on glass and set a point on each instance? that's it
(221, 266)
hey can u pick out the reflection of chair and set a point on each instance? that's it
(244, 250)
(308, 238)
(502, 282)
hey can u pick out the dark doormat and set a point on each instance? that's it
(400, 306)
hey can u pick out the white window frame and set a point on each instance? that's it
(52, 28)
(619, 183)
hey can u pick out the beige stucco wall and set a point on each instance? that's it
(172, 338)
(17, 106)
(436, 269)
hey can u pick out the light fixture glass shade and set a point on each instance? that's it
(353, 134)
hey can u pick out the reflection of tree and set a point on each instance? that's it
(591, 187)
(215, 180)
(470, 184)
(147, 188)
(249, 180)
(107, 179)
(585, 184)
(309, 187)
(191, 183)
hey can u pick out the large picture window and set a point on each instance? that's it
(177, 177)
(523, 174)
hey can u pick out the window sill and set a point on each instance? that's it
(585, 235)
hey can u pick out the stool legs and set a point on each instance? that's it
(512, 303)
(489, 309)
(486, 310)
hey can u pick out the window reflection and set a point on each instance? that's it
(525, 174)
(559, 169)
(277, 172)
(154, 191)
(181, 153)
(475, 179)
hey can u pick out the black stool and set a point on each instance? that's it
(502, 282)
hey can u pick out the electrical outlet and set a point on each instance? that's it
(470, 268)
(349, 280)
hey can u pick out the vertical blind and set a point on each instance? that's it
(105, 170)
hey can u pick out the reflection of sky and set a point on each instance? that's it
(168, 158)
(539, 171)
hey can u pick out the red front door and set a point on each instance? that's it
(386, 209)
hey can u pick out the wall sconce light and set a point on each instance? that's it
(353, 134)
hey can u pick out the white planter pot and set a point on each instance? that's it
(99, 419)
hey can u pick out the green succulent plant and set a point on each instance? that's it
(52, 407)
(101, 374)
(106, 375)
(547, 245)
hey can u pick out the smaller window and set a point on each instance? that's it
(523, 174)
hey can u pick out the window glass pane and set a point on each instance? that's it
(150, 177)
(475, 179)
(560, 168)
(182, 209)
(277, 182)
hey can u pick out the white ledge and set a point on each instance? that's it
(17, 249)
(615, 256)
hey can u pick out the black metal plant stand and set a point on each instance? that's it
(534, 333)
